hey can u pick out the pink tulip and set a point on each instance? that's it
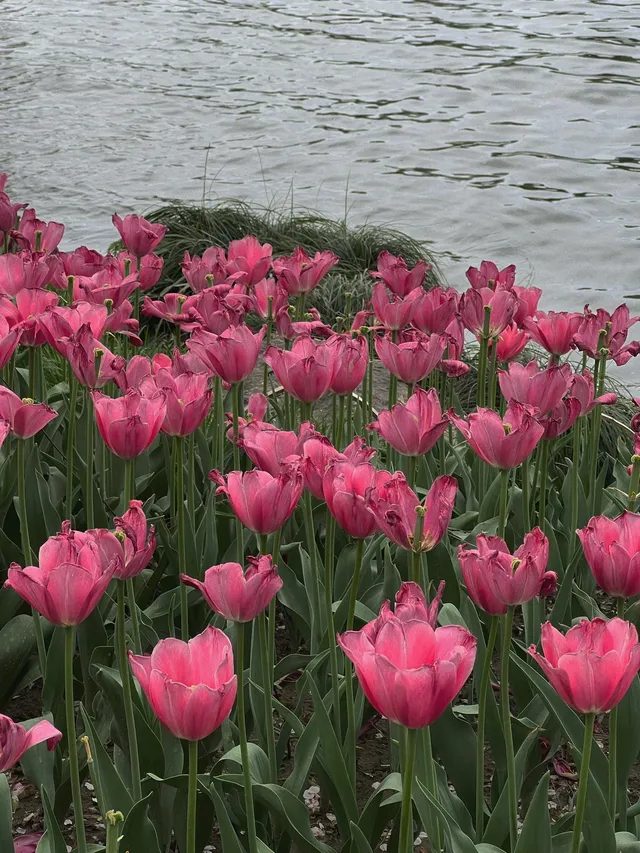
(70, 580)
(256, 410)
(501, 443)
(25, 417)
(553, 330)
(612, 549)
(138, 234)
(489, 276)
(434, 309)
(540, 389)
(311, 327)
(414, 427)
(561, 418)
(395, 507)
(188, 400)
(84, 353)
(500, 305)
(361, 321)
(37, 236)
(393, 312)
(528, 298)
(345, 486)
(582, 388)
(149, 271)
(174, 308)
(300, 273)
(262, 503)
(399, 279)
(593, 665)
(136, 373)
(63, 322)
(180, 363)
(25, 313)
(261, 293)
(510, 343)
(305, 371)
(615, 325)
(497, 580)
(8, 213)
(205, 271)
(268, 447)
(247, 261)
(218, 313)
(138, 542)
(129, 424)
(107, 285)
(191, 687)
(23, 270)
(237, 595)
(350, 360)
(9, 340)
(231, 355)
(82, 261)
(15, 740)
(414, 355)
(27, 843)
(318, 452)
(409, 670)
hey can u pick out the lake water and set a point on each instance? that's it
(505, 129)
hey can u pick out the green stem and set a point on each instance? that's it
(74, 770)
(581, 799)
(129, 495)
(412, 467)
(504, 499)
(351, 744)
(543, 485)
(405, 844)
(485, 681)
(393, 380)
(594, 447)
(267, 342)
(267, 687)
(481, 390)
(32, 372)
(113, 821)
(493, 374)
(125, 676)
(244, 749)
(331, 631)
(316, 634)
(432, 785)
(575, 482)
(526, 497)
(617, 796)
(507, 625)
(191, 478)
(235, 396)
(192, 796)
(216, 460)
(182, 538)
(634, 483)
(340, 443)
(88, 490)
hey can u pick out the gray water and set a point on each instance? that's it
(508, 129)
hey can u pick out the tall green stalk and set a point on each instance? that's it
(504, 500)
(481, 390)
(267, 342)
(634, 483)
(112, 820)
(575, 482)
(596, 420)
(432, 786)
(127, 695)
(617, 794)
(483, 693)
(235, 395)
(191, 476)
(526, 497)
(74, 770)
(129, 495)
(252, 837)
(543, 485)
(351, 742)
(493, 373)
(405, 843)
(507, 627)
(267, 688)
(583, 785)
(192, 796)
(331, 630)
(316, 634)
(182, 538)
(89, 462)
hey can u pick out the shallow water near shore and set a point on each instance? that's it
(508, 130)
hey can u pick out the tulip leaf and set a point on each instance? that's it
(627, 843)
(38, 762)
(6, 814)
(17, 643)
(111, 791)
(293, 815)
(628, 739)
(138, 832)
(258, 761)
(230, 841)
(293, 594)
(536, 830)
(459, 842)
(359, 838)
(52, 840)
(305, 753)
(454, 741)
(380, 810)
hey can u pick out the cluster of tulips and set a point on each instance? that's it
(157, 643)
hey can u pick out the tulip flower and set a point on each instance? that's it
(393, 312)
(305, 371)
(82, 261)
(217, 313)
(350, 360)
(29, 305)
(501, 443)
(561, 418)
(25, 417)
(129, 424)
(205, 271)
(300, 273)
(188, 399)
(25, 270)
(434, 309)
(236, 594)
(612, 549)
(67, 584)
(247, 261)
(312, 326)
(554, 330)
(9, 340)
(616, 326)
(489, 276)
(268, 447)
(396, 508)
(264, 289)
(510, 342)
(528, 298)
(191, 687)
(262, 503)
(148, 271)
(15, 740)
(8, 213)
(414, 355)
(409, 670)
(174, 308)
(138, 234)
(318, 453)
(139, 542)
(232, 355)
(35, 235)
(92, 363)
(414, 427)
(63, 322)
(399, 279)
(496, 579)
(500, 305)
(582, 388)
(540, 389)
(27, 843)
(592, 666)
(345, 487)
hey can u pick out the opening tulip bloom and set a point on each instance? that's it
(232, 355)
(344, 487)
(15, 740)
(511, 341)
(235, 594)
(305, 371)
(318, 453)
(262, 503)
(489, 276)
(540, 389)
(496, 579)
(393, 312)
(35, 235)
(300, 273)
(409, 670)
(414, 355)
(206, 271)
(434, 309)
(25, 417)
(9, 340)
(149, 271)
(351, 356)
(138, 234)
(25, 270)
(138, 541)
(414, 427)
(501, 305)
(612, 549)
(247, 261)
(129, 424)
(501, 443)
(191, 687)
(92, 363)
(268, 447)
(582, 388)
(399, 279)
(188, 399)
(26, 309)
(395, 507)
(554, 330)
(593, 665)
(528, 298)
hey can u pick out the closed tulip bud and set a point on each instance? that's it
(191, 687)
(138, 234)
(540, 389)
(305, 371)
(263, 503)
(501, 443)
(413, 356)
(344, 488)
(612, 550)
(237, 595)
(25, 417)
(351, 356)
(15, 740)
(592, 666)
(408, 669)
(129, 424)
(414, 427)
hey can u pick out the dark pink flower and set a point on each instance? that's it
(129, 424)
(205, 271)
(264, 289)
(318, 453)
(350, 360)
(15, 740)
(139, 542)
(399, 279)
(149, 271)
(344, 487)
(248, 261)
(174, 308)
(553, 330)
(188, 400)
(414, 427)
(305, 371)
(413, 356)
(582, 389)
(300, 273)
(235, 594)
(528, 298)
(393, 312)
(499, 305)
(510, 343)
(92, 363)
(434, 310)
(541, 389)
(232, 355)
(138, 234)
(489, 276)
(35, 235)
(25, 417)
(262, 503)
(82, 261)
(501, 443)
(23, 270)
